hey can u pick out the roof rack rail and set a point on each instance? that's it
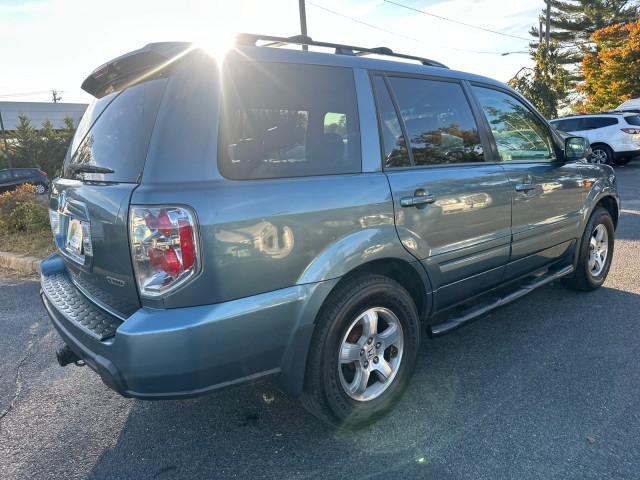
(340, 49)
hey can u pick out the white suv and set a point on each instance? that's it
(614, 136)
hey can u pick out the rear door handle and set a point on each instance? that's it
(420, 197)
(525, 187)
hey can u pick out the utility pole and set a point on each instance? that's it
(303, 20)
(540, 32)
(4, 137)
(56, 96)
(547, 33)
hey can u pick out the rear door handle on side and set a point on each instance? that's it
(420, 197)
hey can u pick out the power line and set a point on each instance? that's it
(396, 33)
(455, 21)
(25, 94)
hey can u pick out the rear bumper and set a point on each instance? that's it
(191, 351)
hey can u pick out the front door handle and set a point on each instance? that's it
(420, 197)
(525, 187)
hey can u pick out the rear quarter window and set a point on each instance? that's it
(288, 120)
(635, 120)
(599, 122)
(115, 133)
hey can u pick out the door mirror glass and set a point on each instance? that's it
(576, 148)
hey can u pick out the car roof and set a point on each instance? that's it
(614, 114)
(288, 55)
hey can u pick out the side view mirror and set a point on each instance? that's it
(576, 148)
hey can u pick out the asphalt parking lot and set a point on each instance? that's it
(547, 387)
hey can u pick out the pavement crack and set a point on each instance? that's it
(17, 382)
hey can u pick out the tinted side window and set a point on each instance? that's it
(633, 121)
(560, 124)
(591, 123)
(438, 121)
(518, 133)
(288, 120)
(569, 125)
(119, 138)
(393, 143)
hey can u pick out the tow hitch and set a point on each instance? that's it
(65, 356)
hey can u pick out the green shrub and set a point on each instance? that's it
(28, 217)
(22, 211)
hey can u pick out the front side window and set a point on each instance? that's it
(438, 121)
(518, 133)
(288, 120)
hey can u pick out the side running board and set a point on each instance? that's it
(482, 308)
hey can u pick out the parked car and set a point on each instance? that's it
(632, 104)
(614, 136)
(10, 178)
(304, 217)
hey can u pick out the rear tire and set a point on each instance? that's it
(601, 154)
(41, 188)
(596, 253)
(336, 390)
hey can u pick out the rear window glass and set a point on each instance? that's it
(114, 133)
(633, 120)
(288, 120)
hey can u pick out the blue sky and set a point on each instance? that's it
(54, 44)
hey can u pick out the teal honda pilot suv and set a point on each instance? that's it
(305, 218)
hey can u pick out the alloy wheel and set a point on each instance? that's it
(598, 250)
(598, 155)
(370, 353)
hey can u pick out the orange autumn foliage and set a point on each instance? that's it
(612, 71)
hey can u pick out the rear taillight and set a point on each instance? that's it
(164, 247)
(632, 131)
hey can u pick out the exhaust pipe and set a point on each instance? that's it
(65, 356)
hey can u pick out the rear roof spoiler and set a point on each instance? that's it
(133, 67)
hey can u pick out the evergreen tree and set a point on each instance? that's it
(546, 84)
(44, 148)
(25, 146)
(574, 21)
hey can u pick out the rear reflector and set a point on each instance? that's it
(164, 247)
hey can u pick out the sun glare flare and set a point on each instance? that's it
(219, 44)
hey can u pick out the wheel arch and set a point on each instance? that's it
(609, 203)
(410, 275)
(602, 144)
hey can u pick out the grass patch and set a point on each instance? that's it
(37, 244)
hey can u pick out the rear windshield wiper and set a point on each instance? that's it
(79, 168)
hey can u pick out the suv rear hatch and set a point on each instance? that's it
(90, 201)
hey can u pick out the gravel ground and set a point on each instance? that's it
(546, 387)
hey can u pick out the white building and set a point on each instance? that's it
(38, 112)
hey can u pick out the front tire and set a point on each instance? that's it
(595, 254)
(363, 351)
